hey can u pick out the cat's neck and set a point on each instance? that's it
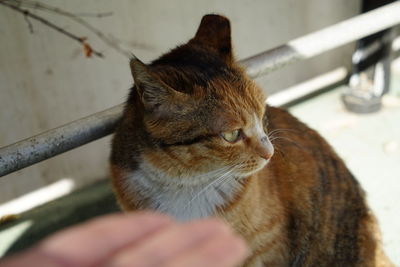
(180, 200)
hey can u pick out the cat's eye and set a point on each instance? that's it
(231, 136)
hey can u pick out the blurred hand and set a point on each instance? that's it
(137, 239)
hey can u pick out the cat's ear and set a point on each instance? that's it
(154, 93)
(215, 32)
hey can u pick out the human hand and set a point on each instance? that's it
(137, 239)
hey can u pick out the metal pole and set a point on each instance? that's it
(56, 141)
(324, 40)
(53, 142)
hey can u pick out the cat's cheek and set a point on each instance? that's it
(253, 166)
(226, 151)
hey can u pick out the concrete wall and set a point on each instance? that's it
(45, 81)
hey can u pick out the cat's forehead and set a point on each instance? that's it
(241, 96)
(238, 105)
(191, 69)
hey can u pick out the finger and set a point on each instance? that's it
(28, 258)
(165, 245)
(93, 242)
(223, 250)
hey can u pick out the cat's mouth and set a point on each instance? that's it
(252, 167)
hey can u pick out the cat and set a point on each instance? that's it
(197, 140)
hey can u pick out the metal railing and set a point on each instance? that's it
(69, 136)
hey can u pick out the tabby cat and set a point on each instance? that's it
(195, 141)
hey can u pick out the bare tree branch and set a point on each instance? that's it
(87, 48)
(45, 7)
(95, 15)
(30, 26)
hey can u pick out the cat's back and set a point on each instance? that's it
(327, 219)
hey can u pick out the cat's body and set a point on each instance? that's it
(192, 143)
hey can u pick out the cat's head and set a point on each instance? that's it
(200, 111)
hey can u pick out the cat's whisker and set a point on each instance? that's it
(212, 172)
(215, 172)
(272, 135)
(280, 130)
(288, 140)
(217, 181)
(282, 138)
(284, 130)
(276, 132)
(275, 141)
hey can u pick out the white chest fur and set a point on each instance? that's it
(185, 198)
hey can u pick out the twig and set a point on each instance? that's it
(87, 48)
(95, 15)
(72, 16)
(38, 5)
(30, 26)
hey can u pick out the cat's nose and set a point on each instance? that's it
(265, 149)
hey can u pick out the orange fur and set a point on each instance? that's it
(299, 207)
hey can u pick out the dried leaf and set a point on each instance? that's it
(87, 50)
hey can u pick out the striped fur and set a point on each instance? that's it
(295, 203)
